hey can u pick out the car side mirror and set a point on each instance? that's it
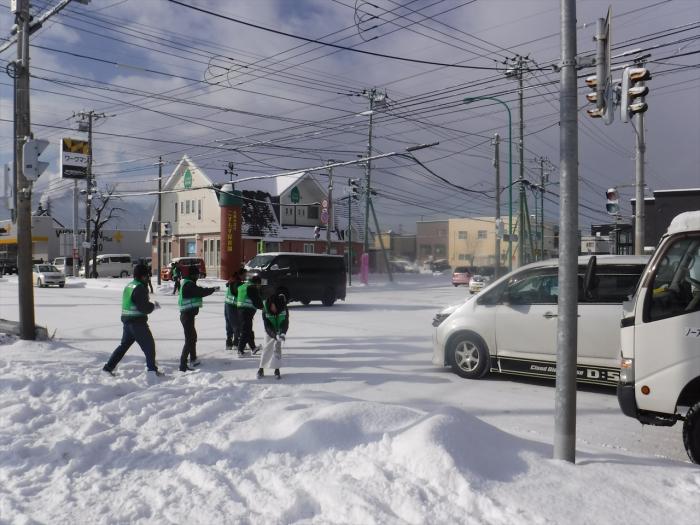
(274, 267)
(590, 279)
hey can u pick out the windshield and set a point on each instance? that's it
(47, 268)
(260, 262)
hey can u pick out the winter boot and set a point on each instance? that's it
(229, 344)
(255, 350)
(277, 374)
(108, 371)
(261, 373)
(186, 369)
(195, 362)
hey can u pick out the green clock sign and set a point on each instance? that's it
(187, 179)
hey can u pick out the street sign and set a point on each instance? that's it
(324, 216)
(324, 203)
(75, 157)
(86, 244)
(294, 195)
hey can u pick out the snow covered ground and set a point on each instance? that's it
(362, 428)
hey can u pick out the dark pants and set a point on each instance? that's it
(232, 324)
(245, 324)
(135, 331)
(190, 346)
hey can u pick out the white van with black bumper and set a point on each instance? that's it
(511, 326)
(660, 337)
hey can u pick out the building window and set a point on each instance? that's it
(182, 208)
(175, 212)
(308, 247)
(482, 234)
(313, 212)
(199, 210)
(462, 236)
(462, 256)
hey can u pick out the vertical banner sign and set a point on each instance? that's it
(231, 239)
(75, 155)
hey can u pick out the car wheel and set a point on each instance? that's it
(305, 301)
(38, 282)
(468, 356)
(61, 285)
(328, 297)
(455, 285)
(93, 274)
(124, 274)
(691, 433)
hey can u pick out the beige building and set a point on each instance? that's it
(472, 242)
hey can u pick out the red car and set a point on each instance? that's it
(461, 275)
(184, 264)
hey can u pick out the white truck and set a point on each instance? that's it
(660, 336)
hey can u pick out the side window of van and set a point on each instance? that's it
(614, 284)
(539, 287)
(281, 263)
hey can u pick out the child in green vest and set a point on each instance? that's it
(189, 302)
(276, 321)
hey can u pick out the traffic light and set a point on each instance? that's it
(632, 94)
(612, 206)
(31, 149)
(261, 246)
(317, 232)
(604, 109)
(354, 188)
(167, 230)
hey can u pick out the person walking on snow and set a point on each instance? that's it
(190, 301)
(230, 310)
(247, 302)
(135, 309)
(175, 273)
(276, 321)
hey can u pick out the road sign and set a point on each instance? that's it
(294, 195)
(324, 203)
(324, 216)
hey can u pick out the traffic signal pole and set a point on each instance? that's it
(160, 220)
(24, 189)
(639, 215)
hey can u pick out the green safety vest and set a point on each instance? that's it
(129, 309)
(276, 320)
(190, 302)
(229, 298)
(242, 299)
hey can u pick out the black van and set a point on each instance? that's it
(303, 277)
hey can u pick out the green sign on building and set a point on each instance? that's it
(187, 179)
(295, 195)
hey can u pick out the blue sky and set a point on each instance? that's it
(172, 80)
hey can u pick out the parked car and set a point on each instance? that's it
(45, 275)
(401, 266)
(65, 265)
(110, 265)
(303, 277)
(477, 283)
(461, 275)
(8, 266)
(439, 265)
(183, 263)
(511, 326)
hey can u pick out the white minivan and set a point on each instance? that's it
(511, 326)
(111, 265)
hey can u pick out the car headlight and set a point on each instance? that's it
(439, 318)
(627, 371)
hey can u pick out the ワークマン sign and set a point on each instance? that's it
(75, 157)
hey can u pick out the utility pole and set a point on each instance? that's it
(542, 190)
(639, 215)
(350, 199)
(497, 165)
(376, 99)
(160, 218)
(24, 188)
(567, 322)
(89, 116)
(76, 228)
(521, 177)
(329, 222)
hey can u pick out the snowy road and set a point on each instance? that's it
(357, 384)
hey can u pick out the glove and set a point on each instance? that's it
(281, 337)
(156, 305)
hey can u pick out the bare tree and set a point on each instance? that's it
(104, 212)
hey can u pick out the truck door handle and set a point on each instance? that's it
(549, 315)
